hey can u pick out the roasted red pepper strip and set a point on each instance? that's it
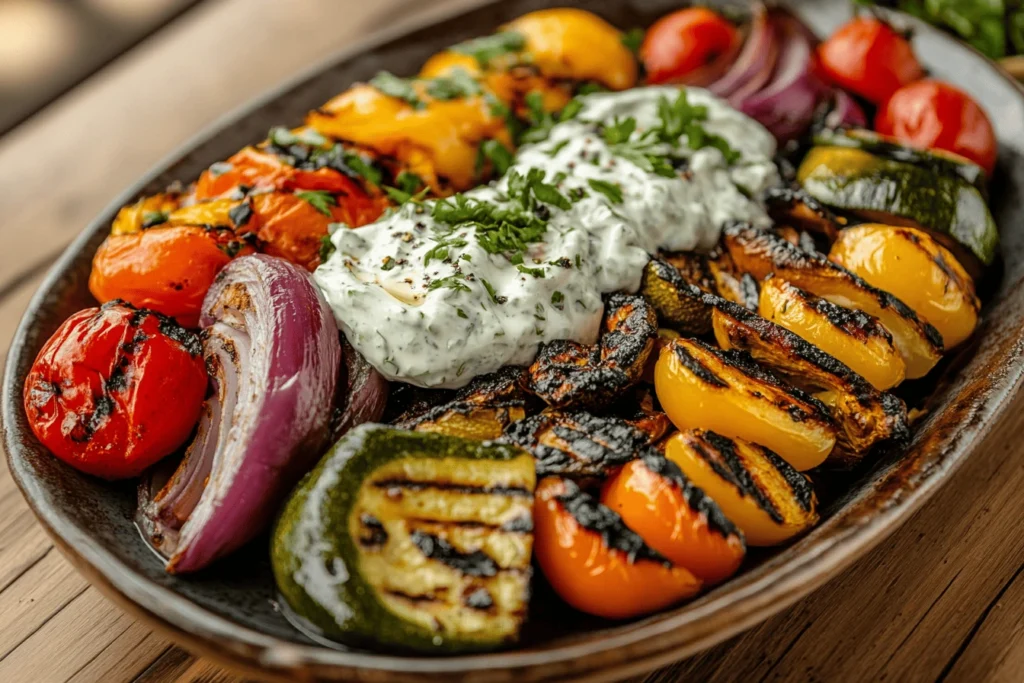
(115, 389)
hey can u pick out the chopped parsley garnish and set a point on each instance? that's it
(487, 48)
(461, 313)
(440, 251)
(589, 88)
(556, 148)
(152, 218)
(491, 293)
(362, 167)
(539, 120)
(498, 154)
(558, 300)
(536, 272)
(641, 152)
(388, 264)
(632, 39)
(401, 196)
(451, 282)
(321, 200)
(240, 214)
(530, 188)
(610, 190)
(326, 248)
(680, 118)
(399, 88)
(282, 137)
(406, 181)
(499, 229)
(579, 262)
(457, 83)
(571, 110)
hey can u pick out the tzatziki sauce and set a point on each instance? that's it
(436, 303)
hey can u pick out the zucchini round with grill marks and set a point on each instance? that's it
(411, 540)
(759, 491)
(700, 386)
(936, 160)
(676, 301)
(854, 180)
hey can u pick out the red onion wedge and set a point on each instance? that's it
(755, 61)
(362, 394)
(271, 345)
(786, 105)
(844, 112)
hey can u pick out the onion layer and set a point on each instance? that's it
(272, 349)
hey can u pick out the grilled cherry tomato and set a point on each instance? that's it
(870, 58)
(166, 268)
(595, 562)
(935, 115)
(100, 391)
(684, 46)
(674, 517)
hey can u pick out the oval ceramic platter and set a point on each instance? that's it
(230, 612)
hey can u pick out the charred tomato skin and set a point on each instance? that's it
(597, 564)
(676, 518)
(116, 389)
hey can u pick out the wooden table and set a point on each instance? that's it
(941, 599)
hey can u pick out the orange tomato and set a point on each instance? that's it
(868, 57)
(599, 566)
(676, 518)
(685, 46)
(165, 269)
(934, 115)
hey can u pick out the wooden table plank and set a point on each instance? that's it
(942, 597)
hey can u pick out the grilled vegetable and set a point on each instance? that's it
(595, 562)
(96, 395)
(756, 489)
(865, 416)
(940, 290)
(574, 44)
(935, 160)
(703, 387)
(575, 443)
(855, 338)
(715, 273)
(799, 210)
(677, 303)
(674, 517)
(481, 410)
(567, 373)
(271, 347)
(897, 192)
(415, 541)
(760, 253)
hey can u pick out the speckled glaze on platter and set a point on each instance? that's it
(229, 612)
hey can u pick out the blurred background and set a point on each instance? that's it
(47, 46)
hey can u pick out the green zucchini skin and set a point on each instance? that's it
(873, 143)
(316, 561)
(850, 179)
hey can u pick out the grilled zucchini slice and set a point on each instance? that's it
(761, 253)
(940, 290)
(855, 338)
(935, 160)
(854, 180)
(715, 273)
(865, 416)
(799, 210)
(700, 386)
(757, 490)
(676, 301)
(410, 540)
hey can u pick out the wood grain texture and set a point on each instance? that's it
(942, 599)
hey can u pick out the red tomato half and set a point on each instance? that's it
(931, 114)
(682, 46)
(868, 57)
(116, 389)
